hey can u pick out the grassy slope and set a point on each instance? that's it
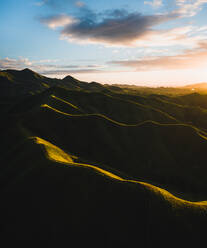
(165, 155)
(56, 202)
(189, 109)
(95, 191)
(171, 155)
(114, 107)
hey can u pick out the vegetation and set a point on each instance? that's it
(99, 165)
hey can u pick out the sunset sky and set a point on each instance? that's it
(151, 42)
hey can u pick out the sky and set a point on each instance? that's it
(151, 42)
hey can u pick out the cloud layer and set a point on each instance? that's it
(123, 30)
(190, 59)
(189, 8)
(119, 27)
(48, 67)
(154, 3)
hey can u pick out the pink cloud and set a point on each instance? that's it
(190, 59)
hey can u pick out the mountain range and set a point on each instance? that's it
(101, 165)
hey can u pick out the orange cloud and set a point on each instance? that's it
(190, 59)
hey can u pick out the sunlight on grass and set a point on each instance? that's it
(56, 154)
(45, 85)
(53, 152)
(175, 201)
(7, 75)
(202, 133)
(68, 103)
(87, 115)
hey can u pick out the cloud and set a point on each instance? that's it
(60, 4)
(117, 28)
(48, 67)
(132, 30)
(184, 36)
(67, 72)
(154, 3)
(79, 4)
(190, 59)
(8, 63)
(57, 21)
(189, 8)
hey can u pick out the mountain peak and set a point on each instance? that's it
(28, 73)
(69, 78)
(27, 70)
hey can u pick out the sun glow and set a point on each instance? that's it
(173, 78)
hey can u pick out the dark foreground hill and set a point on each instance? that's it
(86, 165)
(71, 203)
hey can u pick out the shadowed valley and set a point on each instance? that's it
(101, 165)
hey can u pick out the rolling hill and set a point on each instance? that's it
(98, 165)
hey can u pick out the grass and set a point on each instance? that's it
(101, 166)
(202, 133)
(56, 154)
(166, 155)
(68, 103)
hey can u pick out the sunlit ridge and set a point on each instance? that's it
(56, 154)
(201, 133)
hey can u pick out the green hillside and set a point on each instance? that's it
(102, 166)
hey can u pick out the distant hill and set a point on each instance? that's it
(15, 83)
(169, 91)
(99, 165)
(197, 86)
